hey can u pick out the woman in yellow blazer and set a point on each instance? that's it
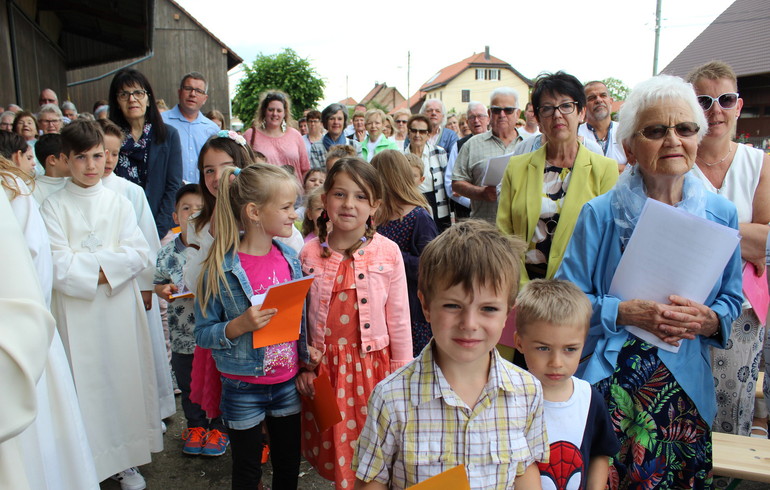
(543, 191)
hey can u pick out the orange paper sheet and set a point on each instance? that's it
(452, 479)
(324, 406)
(288, 298)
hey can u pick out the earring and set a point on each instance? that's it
(263, 124)
(283, 126)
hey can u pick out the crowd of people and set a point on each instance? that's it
(144, 241)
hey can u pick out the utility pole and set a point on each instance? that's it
(408, 73)
(657, 39)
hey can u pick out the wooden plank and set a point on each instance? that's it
(742, 457)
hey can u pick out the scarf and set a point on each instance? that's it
(329, 142)
(629, 196)
(132, 161)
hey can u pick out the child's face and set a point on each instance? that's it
(417, 175)
(112, 146)
(277, 216)
(87, 167)
(466, 327)
(25, 160)
(347, 205)
(214, 162)
(315, 179)
(314, 209)
(552, 351)
(187, 206)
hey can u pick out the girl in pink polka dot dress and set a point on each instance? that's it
(358, 313)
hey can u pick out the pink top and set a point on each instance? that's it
(383, 303)
(281, 360)
(288, 149)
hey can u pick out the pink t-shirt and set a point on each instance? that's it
(281, 360)
(289, 149)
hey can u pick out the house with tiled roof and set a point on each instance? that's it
(349, 102)
(383, 96)
(740, 37)
(473, 78)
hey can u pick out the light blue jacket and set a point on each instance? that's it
(237, 356)
(590, 261)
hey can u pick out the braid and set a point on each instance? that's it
(323, 234)
(368, 234)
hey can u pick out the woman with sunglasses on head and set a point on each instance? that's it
(662, 403)
(434, 160)
(742, 175)
(542, 192)
(273, 134)
(151, 154)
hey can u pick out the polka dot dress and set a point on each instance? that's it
(353, 376)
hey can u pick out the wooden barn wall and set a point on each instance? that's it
(40, 62)
(180, 46)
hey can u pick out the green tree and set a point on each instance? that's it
(617, 89)
(285, 71)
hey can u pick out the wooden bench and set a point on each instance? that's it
(747, 458)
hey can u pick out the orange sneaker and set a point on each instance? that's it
(215, 443)
(193, 440)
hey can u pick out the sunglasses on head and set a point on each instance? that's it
(497, 110)
(725, 101)
(659, 131)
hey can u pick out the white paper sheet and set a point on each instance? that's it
(671, 252)
(496, 166)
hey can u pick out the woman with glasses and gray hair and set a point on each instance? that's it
(661, 403)
(542, 192)
(151, 153)
(742, 175)
(274, 135)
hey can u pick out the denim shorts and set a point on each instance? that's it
(245, 405)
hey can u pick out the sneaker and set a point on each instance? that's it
(193, 440)
(215, 443)
(130, 479)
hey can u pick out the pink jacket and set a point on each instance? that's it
(383, 303)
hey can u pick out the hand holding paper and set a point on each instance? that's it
(287, 300)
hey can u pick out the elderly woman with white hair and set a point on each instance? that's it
(439, 136)
(661, 403)
(49, 117)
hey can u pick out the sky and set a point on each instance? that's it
(353, 45)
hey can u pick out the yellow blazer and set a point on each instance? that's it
(520, 198)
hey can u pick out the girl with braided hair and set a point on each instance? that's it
(358, 313)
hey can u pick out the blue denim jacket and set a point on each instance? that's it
(237, 356)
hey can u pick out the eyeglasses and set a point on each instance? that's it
(49, 121)
(725, 101)
(659, 131)
(137, 94)
(402, 121)
(471, 117)
(197, 91)
(496, 110)
(7, 126)
(419, 131)
(565, 108)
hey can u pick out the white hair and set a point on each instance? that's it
(505, 91)
(68, 105)
(651, 92)
(474, 104)
(50, 108)
(443, 109)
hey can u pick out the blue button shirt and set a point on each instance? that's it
(192, 136)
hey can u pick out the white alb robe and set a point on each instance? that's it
(136, 196)
(68, 464)
(103, 326)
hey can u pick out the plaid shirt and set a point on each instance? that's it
(318, 152)
(418, 427)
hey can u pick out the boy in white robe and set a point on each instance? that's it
(98, 251)
(113, 139)
(48, 152)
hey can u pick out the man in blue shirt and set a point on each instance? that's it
(194, 128)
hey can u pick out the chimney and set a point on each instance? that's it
(486, 53)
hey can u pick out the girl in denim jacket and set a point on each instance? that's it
(358, 313)
(257, 384)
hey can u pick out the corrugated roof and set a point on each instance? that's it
(445, 75)
(740, 37)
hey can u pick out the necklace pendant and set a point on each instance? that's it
(92, 242)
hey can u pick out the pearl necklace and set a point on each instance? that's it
(720, 161)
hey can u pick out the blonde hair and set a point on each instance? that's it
(364, 177)
(415, 162)
(308, 225)
(713, 70)
(9, 172)
(471, 253)
(374, 112)
(398, 185)
(553, 301)
(257, 184)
